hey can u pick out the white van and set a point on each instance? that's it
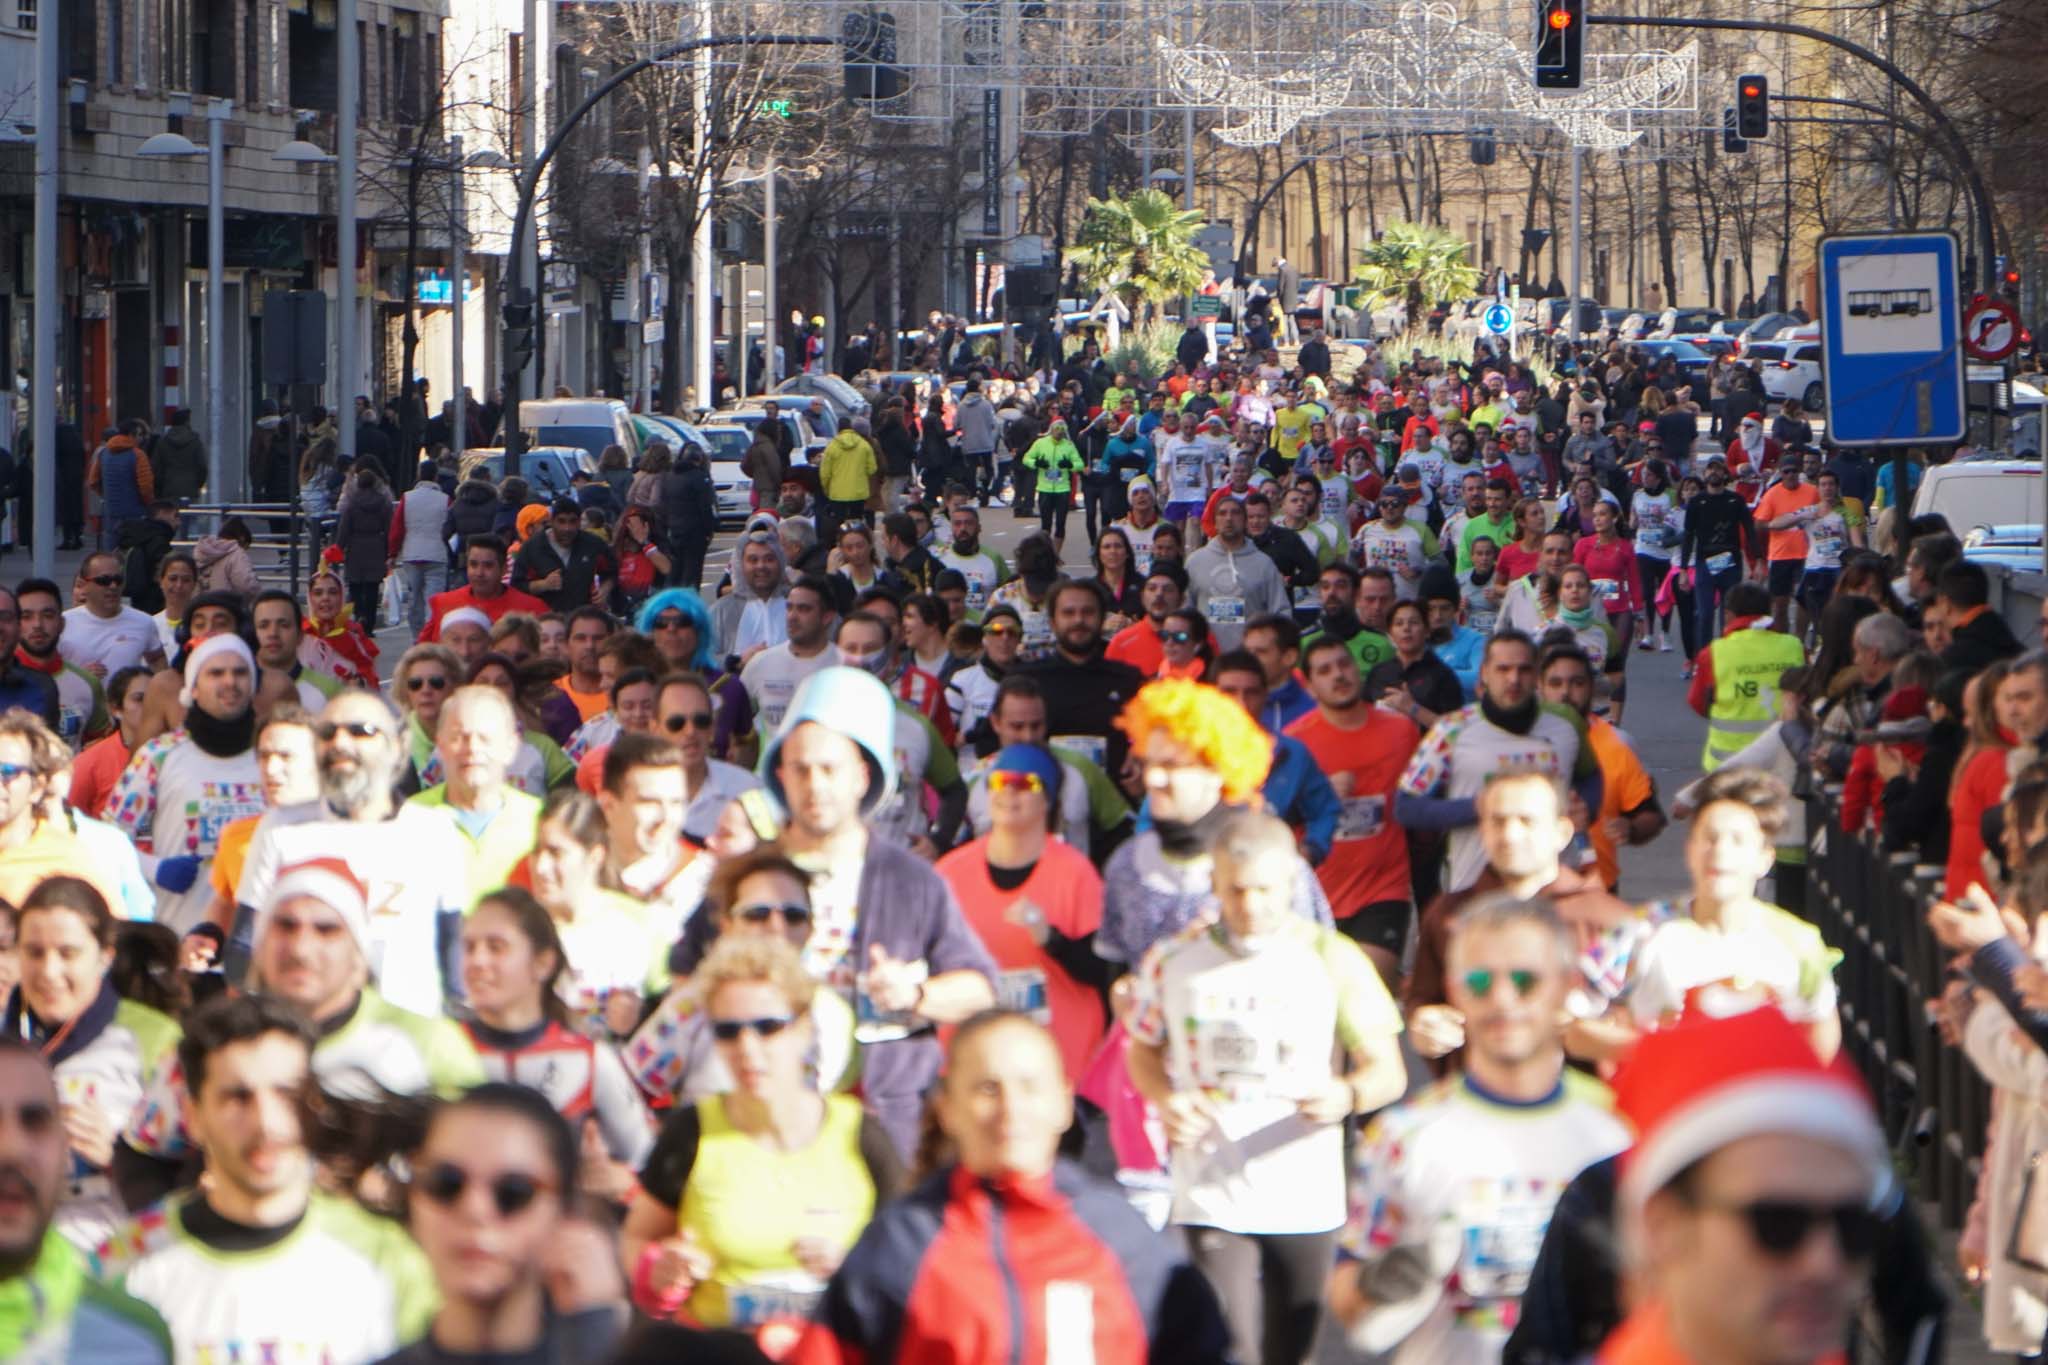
(1984, 492)
(589, 423)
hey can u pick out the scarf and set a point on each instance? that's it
(221, 738)
(1582, 618)
(1519, 721)
(1187, 838)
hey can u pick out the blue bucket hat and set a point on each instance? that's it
(851, 702)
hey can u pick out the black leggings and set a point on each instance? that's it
(1653, 572)
(1271, 1287)
(1052, 513)
(364, 597)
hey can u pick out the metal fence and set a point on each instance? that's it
(285, 543)
(1873, 907)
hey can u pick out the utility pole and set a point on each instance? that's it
(349, 99)
(43, 399)
(700, 245)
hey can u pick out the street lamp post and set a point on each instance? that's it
(458, 279)
(43, 401)
(349, 89)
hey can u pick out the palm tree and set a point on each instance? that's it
(1416, 266)
(1141, 247)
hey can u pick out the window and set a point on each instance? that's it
(315, 60)
(404, 83)
(213, 47)
(25, 15)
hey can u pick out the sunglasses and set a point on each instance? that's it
(419, 680)
(669, 620)
(511, 1192)
(104, 580)
(999, 629)
(1481, 980)
(1780, 1227)
(10, 771)
(1177, 637)
(762, 912)
(1015, 782)
(359, 729)
(729, 1030)
(675, 724)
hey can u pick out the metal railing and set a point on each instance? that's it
(285, 543)
(1872, 906)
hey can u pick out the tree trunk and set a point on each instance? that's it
(1401, 182)
(1315, 219)
(411, 410)
(1527, 258)
(1667, 260)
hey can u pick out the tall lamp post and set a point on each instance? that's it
(176, 144)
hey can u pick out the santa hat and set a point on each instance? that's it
(1693, 1088)
(197, 655)
(333, 883)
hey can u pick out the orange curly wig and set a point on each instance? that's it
(1219, 732)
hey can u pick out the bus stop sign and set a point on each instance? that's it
(1891, 330)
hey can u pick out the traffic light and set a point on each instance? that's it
(1753, 107)
(1731, 141)
(1483, 147)
(2009, 283)
(518, 316)
(1560, 43)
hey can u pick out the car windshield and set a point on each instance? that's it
(727, 443)
(1679, 350)
(592, 439)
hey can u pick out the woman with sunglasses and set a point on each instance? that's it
(524, 1277)
(106, 1034)
(752, 1198)
(1184, 644)
(1035, 901)
(331, 640)
(425, 677)
(512, 967)
(680, 625)
(759, 894)
(605, 939)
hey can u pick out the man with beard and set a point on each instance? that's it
(406, 856)
(31, 689)
(274, 614)
(1341, 588)
(1229, 581)
(907, 559)
(259, 1254)
(1140, 644)
(1085, 690)
(1507, 729)
(81, 704)
(51, 1306)
(982, 567)
(211, 613)
(750, 618)
(183, 788)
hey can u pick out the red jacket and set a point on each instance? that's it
(1977, 789)
(967, 1270)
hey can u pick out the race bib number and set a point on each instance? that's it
(1037, 631)
(977, 594)
(1231, 1055)
(1094, 748)
(1503, 1232)
(788, 1298)
(1362, 817)
(1609, 590)
(1720, 563)
(1022, 990)
(1482, 619)
(1225, 611)
(1386, 554)
(1141, 556)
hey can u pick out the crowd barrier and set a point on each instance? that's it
(285, 542)
(1872, 906)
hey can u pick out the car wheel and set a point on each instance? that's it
(1811, 399)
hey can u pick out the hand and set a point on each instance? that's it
(1188, 1116)
(893, 985)
(1971, 1260)
(923, 847)
(580, 1267)
(199, 952)
(1575, 810)
(1951, 1010)
(1343, 783)
(679, 1267)
(1436, 1030)
(1967, 927)
(551, 583)
(2033, 983)
(1616, 828)
(1332, 1104)
(90, 1133)
(177, 874)
(818, 1256)
(1410, 572)
(1023, 912)
(1123, 999)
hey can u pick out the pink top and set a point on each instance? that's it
(1616, 580)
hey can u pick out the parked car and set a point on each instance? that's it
(2016, 546)
(1792, 373)
(729, 481)
(672, 432)
(844, 398)
(588, 423)
(1767, 327)
(805, 443)
(1692, 361)
(547, 468)
(826, 423)
(1611, 320)
(1678, 322)
(1554, 314)
(1983, 491)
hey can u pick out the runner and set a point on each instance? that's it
(1248, 1095)
(82, 715)
(611, 945)
(1629, 812)
(984, 569)
(772, 676)
(477, 737)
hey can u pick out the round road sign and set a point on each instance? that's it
(1991, 329)
(1499, 319)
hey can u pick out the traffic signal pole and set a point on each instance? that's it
(1986, 213)
(519, 286)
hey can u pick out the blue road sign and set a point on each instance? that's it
(1499, 319)
(1891, 332)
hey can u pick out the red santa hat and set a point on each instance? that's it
(1698, 1086)
(333, 883)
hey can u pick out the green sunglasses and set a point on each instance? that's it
(1480, 981)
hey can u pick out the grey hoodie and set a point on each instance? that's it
(975, 417)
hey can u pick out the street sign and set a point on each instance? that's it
(1991, 329)
(1218, 242)
(1206, 306)
(1891, 338)
(1499, 319)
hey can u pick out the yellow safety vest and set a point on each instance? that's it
(1747, 665)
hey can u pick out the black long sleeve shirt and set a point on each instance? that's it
(1718, 524)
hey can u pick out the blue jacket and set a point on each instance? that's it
(1461, 654)
(1286, 704)
(1300, 794)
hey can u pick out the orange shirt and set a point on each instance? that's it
(93, 775)
(1776, 503)
(1644, 1338)
(1368, 860)
(588, 704)
(1625, 785)
(1065, 889)
(230, 853)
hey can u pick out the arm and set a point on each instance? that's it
(1319, 806)
(1437, 813)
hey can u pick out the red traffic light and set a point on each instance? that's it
(1560, 18)
(1751, 91)
(2012, 277)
